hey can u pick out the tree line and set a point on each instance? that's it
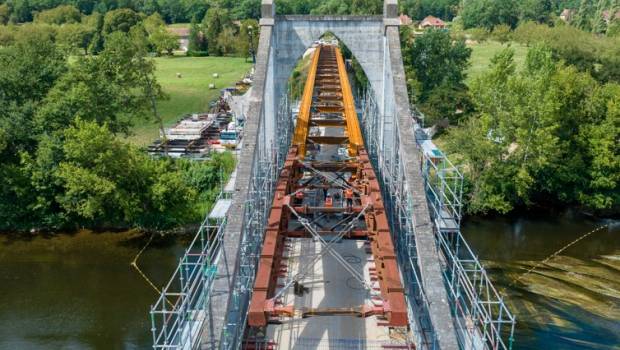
(597, 16)
(216, 34)
(548, 134)
(62, 161)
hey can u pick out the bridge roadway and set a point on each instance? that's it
(398, 150)
(311, 284)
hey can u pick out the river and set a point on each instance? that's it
(570, 302)
(79, 292)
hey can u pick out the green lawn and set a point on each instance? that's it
(190, 93)
(179, 25)
(483, 52)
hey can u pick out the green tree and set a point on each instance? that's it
(59, 15)
(489, 13)
(153, 23)
(436, 69)
(163, 41)
(613, 30)
(248, 35)
(197, 42)
(541, 135)
(120, 20)
(27, 71)
(5, 14)
(73, 37)
(535, 10)
(226, 42)
(583, 17)
(108, 182)
(215, 21)
(96, 43)
(109, 88)
(502, 33)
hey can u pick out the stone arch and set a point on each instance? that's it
(294, 34)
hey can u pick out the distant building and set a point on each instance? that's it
(608, 17)
(183, 35)
(567, 15)
(432, 22)
(405, 20)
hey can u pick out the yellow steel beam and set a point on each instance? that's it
(303, 119)
(353, 128)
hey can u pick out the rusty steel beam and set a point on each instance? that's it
(271, 253)
(358, 234)
(327, 90)
(381, 244)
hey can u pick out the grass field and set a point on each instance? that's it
(179, 25)
(190, 93)
(483, 52)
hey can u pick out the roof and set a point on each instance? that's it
(404, 19)
(607, 15)
(432, 21)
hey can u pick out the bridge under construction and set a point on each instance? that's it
(342, 228)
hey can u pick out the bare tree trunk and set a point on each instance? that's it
(162, 131)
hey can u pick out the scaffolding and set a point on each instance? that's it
(178, 315)
(481, 317)
(267, 161)
(399, 205)
(181, 314)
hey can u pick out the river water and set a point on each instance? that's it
(572, 301)
(79, 292)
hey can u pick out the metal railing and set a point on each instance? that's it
(399, 206)
(178, 316)
(482, 319)
(267, 161)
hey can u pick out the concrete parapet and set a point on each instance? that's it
(390, 8)
(267, 9)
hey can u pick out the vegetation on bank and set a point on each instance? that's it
(62, 163)
(446, 81)
(482, 53)
(545, 134)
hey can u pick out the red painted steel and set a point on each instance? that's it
(367, 199)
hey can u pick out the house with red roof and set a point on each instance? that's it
(432, 22)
